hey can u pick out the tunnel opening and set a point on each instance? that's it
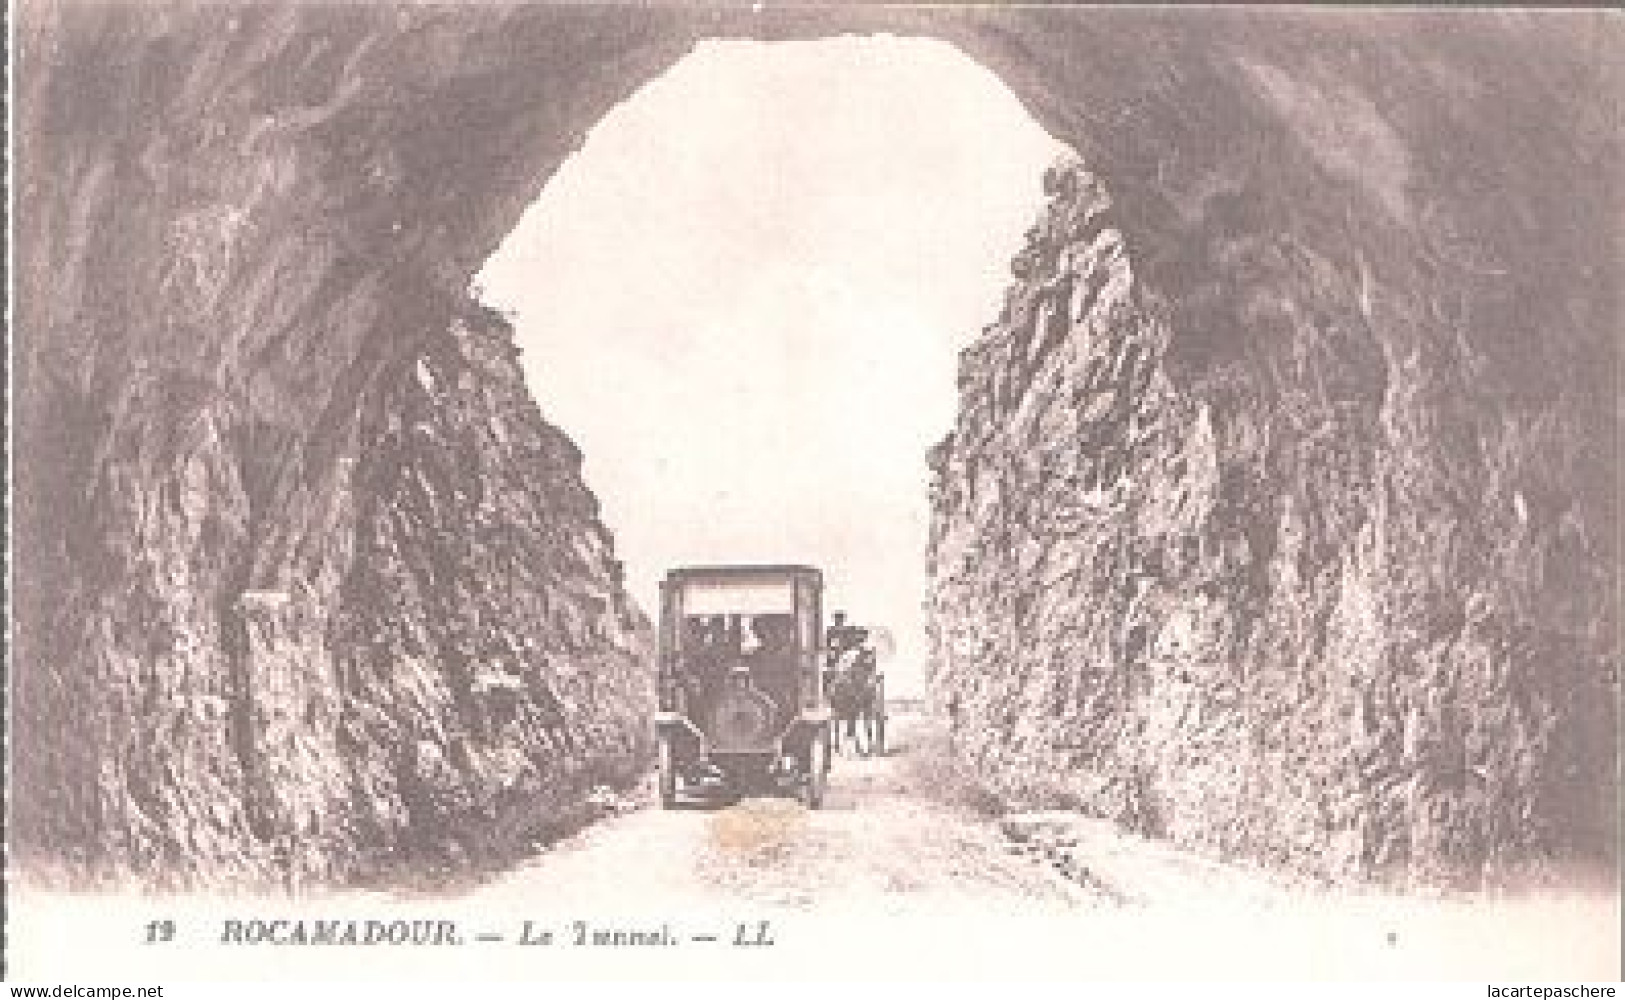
(745, 297)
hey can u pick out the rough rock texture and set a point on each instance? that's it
(480, 667)
(275, 591)
(1281, 583)
(494, 669)
(461, 665)
(230, 218)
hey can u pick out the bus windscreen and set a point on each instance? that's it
(738, 597)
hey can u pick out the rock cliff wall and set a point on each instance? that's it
(1304, 583)
(493, 667)
(453, 670)
(305, 584)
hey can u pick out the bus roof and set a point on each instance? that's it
(738, 570)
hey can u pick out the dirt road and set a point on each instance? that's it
(898, 877)
(880, 836)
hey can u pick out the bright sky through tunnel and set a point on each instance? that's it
(744, 299)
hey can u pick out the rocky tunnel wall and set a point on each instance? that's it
(269, 462)
(1285, 526)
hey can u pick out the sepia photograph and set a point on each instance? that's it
(517, 491)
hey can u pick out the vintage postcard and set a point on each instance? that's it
(523, 491)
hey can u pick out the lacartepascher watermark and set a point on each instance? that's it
(1551, 992)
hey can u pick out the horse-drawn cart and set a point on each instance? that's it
(857, 688)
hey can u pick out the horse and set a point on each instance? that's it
(854, 697)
